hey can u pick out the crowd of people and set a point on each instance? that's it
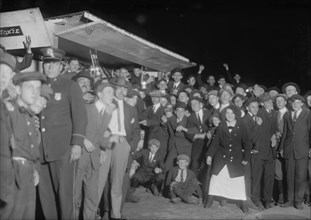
(77, 144)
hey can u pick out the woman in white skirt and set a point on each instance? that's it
(230, 150)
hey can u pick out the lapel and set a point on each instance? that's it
(301, 116)
(225, 129)
(126, 112)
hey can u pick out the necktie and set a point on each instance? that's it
(295, 116)
(150, 157)
(199, 119)
(254, 117)
(279, 116)
(182, 176)
(119, 119)
(154, 109)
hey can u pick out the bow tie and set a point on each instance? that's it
(230, 127)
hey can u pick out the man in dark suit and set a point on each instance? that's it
(177, 75)
(264, 153)
(124, 127)
(196, 131)
(150, 172)
(295, 148)
(152, 119)
(63, 125)
(179, 144)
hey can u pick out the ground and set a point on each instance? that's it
(152, 207)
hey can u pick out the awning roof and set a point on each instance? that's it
(115, 46)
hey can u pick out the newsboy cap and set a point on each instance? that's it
(84, 74)
(297, 97)
(52, 53)
(177, 70)
(181, 105)
(213, 92)
(155, 93)
(120, 81)
(183, 157)
(28, 76)
(290, 84)
(265, 97)
(154, 142)
(285, 97)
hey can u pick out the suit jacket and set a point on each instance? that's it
(172, 174)
(296, 136)
(146, 164)
(268, 128)
(170, 86)
(194, 126)
(96, 126)
(131, 125)
(63, 121)
(226, 149)
(253, 129)
(178, 139)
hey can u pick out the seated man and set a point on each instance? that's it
(183, 182)
(150, 173)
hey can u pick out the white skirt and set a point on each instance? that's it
(224, 186)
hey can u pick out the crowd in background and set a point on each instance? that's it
(77, 143)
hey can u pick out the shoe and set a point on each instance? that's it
(288, 204)
(223, 202)
(209, 202)
(132, 198)
(191, 200)
(175, 200)
(154, 190)
(280, 200)
(249, 203)
(244, 207)
(259, 206)
(298, 205)
(200, 202)
(268, 205)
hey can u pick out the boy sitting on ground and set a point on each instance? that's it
(183, 182)
(150, 173)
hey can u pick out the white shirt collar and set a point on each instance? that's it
(100, 106)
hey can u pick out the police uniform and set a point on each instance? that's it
(63, 123)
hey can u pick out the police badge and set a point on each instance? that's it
(57, 96)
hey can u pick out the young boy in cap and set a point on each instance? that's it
(183, 183)
(26, 138)
(177, 75)
(150, 172)
(295, 148)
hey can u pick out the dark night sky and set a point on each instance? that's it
(265, 41)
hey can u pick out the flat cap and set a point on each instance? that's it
(156, 93)
(52, 53)
(181, 105)
(155, 142)
(281, 95)
(120, 81)
(177, 70)
(244, 98)
(84, 74)
(196, 98)
(213, 92)
(183, 157)
(242, 85)
(131, 93)
(251, 100)
(27, 76)
(196, 92)
(290, 84)
(8, 59)
(169, 108)
(297, 97)
(265, 97)
(226, 90)
(275, 89)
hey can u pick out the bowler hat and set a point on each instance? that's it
(241, 85)
(120, 81)
(274, 88)
(290, 84)
(183, 157)
(52, 53)
(308, 93)
(154, 142)
(297, 97)
(265, 97)
(27, 76)
(8, 59)
(84, 74)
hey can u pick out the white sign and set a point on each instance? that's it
(14, 26)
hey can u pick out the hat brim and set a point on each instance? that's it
(117, 84)
(52, 59)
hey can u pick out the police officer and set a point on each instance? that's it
(26, 138)
(63, 125)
